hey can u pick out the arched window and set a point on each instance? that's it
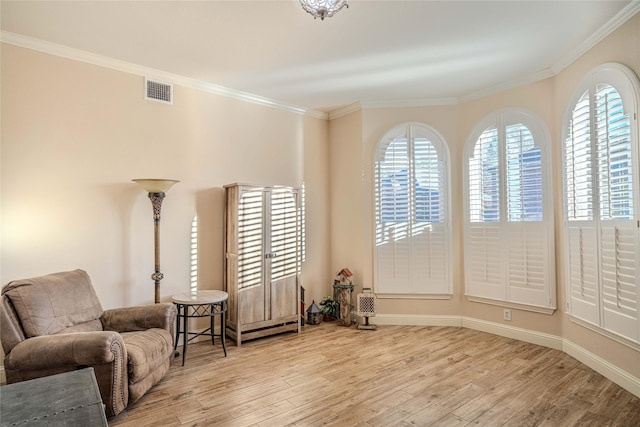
(412, 236)
(601, 202)
(509, 251)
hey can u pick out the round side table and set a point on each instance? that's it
(200, 304)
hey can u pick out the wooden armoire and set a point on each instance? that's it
(262, 248)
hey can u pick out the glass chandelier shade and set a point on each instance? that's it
(323, 8)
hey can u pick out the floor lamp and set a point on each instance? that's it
(156, 189)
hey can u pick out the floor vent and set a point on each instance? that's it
(158, 91)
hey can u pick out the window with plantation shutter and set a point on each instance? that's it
(509, 251)
(412, 236)
(600, 171)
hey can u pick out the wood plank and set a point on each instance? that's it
(330, 375)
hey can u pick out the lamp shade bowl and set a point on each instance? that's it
(156, 185)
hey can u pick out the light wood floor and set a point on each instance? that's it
(395, 376)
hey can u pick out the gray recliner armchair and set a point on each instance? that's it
(55, 323)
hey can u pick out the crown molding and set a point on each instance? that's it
(532, 78)
(393, 103)
(343, 111)
(620, 18)
(420, 102)
(128, 67)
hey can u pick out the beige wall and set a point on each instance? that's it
(316, 274)
(73, 137)
(348, 248)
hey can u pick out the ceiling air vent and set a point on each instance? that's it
(158, 91)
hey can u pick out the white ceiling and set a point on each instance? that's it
(376, 52)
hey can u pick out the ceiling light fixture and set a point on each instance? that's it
(323, 8)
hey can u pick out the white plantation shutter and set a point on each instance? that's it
(508, 246)
(620, 278)
(582, 266)
(527, 263)
(523, 174)
(618, 231)
(483, 260)
(411, 213)
(578, 163)
(601, 202)
(485, 266)
(484, 188)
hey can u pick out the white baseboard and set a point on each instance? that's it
(520, 334)
(604, 368)
(598, 364)
(416, 320)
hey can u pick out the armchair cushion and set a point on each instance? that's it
(43, 312)
(147, 350)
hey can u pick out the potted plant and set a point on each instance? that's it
(330, 308)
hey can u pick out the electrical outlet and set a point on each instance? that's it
(507, 314)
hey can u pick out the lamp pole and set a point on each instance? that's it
(156, 189)
(157, 276)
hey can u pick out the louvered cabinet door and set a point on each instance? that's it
(262, 265)
(251, 258)
(285, 255)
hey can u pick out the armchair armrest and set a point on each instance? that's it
(77, 349)
(140, 318)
